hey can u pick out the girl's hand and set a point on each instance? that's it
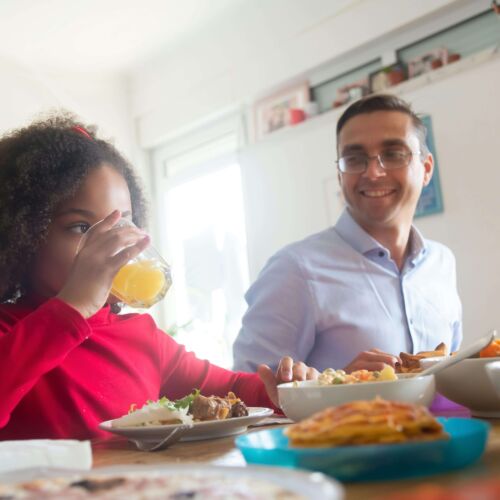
(287, 371)
(104, 250)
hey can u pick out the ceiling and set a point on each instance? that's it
(109, 36)
(99, 35)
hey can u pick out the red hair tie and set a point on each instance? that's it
(82, 131)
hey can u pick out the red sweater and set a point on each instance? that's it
(60, 375)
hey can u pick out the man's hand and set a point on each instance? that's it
(287, 371)
(372, 360)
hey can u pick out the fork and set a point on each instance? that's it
(171, 438)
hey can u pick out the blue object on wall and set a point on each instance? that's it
(431, 199)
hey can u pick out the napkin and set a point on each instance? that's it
(60, 453)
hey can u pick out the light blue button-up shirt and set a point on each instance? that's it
(328, 297)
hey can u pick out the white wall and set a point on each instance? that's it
(286, 177)
(97, 99)
(103, 101)
(241, 58)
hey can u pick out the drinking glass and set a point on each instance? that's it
(144, 280)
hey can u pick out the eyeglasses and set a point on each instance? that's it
(389, 160)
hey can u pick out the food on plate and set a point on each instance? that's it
(410, 363)
(216, 408)
(366, 422)
(161, 412)
(148, 485)
(337, 377)
(492, 350)
(193, 407)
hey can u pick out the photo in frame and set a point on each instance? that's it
(382, 79)
(427, 62)
(272, 113)
(351, 92)
(431, 198)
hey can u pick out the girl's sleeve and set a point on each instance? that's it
(33, 346)
(182, 372)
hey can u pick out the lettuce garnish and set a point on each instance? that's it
(178, 404)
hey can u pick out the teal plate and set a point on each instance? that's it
(373, 462)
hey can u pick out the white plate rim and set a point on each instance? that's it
(314, 384)
(306, 483)
(201, 430)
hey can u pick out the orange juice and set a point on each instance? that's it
(141, 283)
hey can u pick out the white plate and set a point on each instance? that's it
(200, 430)
(307, 484)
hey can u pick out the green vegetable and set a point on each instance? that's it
(178, 404)
(186, 401)
(164, 402)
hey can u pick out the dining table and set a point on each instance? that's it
(117, 451)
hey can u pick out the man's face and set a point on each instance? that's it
(378, 198)
(103, 191)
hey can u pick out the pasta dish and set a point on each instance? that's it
(366, 422)
(336, 377)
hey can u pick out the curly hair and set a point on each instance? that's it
(42, 165)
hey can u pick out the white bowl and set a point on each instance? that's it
(467, 383)
(493, 372)
(303, 399)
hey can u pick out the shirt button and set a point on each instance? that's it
(411, 321)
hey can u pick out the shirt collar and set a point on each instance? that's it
(353, 234)
(418, 247)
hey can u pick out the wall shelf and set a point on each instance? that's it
(331, 116)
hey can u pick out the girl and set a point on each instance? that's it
(67, 359)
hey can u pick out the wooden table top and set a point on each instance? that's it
(222, 451)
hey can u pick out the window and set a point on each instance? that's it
(326, 93)
(466, 30)
(465, 38)
(200, 217)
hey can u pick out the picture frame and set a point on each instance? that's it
(427, 62)
(351, 92)
(431, 198)
(382, 79)
(272, 113)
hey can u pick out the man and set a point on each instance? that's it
(357, 294)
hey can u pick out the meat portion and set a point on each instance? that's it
(217, 408)
(410, 363)
(239, 409)
(211, 408)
